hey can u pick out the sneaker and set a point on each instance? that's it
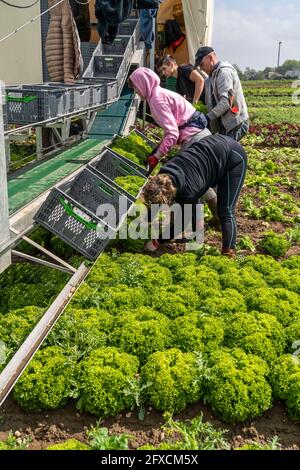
(151, 246)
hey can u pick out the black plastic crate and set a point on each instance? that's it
(111, 67)
(91, 191)
(122, 45)
(131, 27)
(113, 165)
(110, 87)
(150, 142)
(73, 224)
(35, 103)
(98, 92)
(87, 50)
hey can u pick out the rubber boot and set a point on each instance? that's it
(229, 252)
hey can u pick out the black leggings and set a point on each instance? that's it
(229, 188)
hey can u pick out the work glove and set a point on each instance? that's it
(152, 161)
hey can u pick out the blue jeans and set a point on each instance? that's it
(147, 26)
(239, 132)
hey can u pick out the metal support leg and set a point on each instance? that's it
(5, 259)
(39, 142)
(7, 151)
(65, 130)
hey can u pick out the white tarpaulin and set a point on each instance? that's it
(198, 18)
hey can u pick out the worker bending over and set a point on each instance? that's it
(215, 160)
(176, 116)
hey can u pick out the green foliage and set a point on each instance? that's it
(47, 381)
(141, 332)
(193, 434)
(17, 324)
(112, 299)
(220, 264)
(130, 155)
(292, 334)
(103, 378)
(279, 302)
(79, 331)
(199, 278)
(293, 262)
(282, 370)
(242, 279)
(262, 264)
(237, 386)
(256, 333)
(70, 444)
(174, 301)
(196, 332)
(293, 397)
(286, 278)
(13, 443)
(174, 378)
(275, 245)
(271, 445)
(175, 262)
(131, 184)
(245, 243)
(224, 302)
(60, 248)
(133, 144)
(100, 439)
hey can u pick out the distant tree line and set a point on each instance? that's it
(252, 74)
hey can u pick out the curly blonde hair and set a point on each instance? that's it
(159, 190)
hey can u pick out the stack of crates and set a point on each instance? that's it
(111, 62)
(77, 211)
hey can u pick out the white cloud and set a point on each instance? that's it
(250, 37)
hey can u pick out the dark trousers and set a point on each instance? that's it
(229, 188)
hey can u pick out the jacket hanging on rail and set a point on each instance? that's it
(110, 13)
(63, 53)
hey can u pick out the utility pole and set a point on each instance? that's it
(5, 259)
(279, 50)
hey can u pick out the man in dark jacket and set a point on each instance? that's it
(215, 160)
(228, 113)
(110, 13)
(81, 13)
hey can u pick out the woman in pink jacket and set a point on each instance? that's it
(176, 116)
(173, 113)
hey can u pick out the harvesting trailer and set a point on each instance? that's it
(53, 106)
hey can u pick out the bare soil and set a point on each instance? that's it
(48, 428)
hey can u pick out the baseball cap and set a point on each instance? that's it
(201, 53)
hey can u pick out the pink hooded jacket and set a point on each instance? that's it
(170, 110)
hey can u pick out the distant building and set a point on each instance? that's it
(275, 76)
(292, 73)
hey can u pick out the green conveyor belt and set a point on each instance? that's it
(33, 182)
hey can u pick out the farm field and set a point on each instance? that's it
(192, 336)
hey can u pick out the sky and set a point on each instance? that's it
(247, 32)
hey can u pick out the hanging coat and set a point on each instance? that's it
(63, 53)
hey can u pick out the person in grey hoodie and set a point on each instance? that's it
(227, 108)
